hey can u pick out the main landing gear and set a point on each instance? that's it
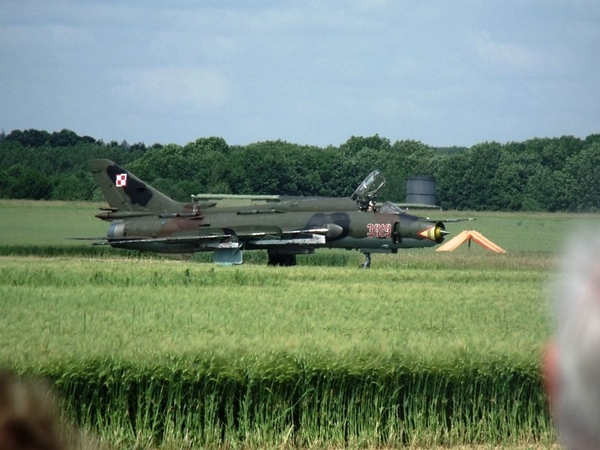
(282, 259)
(367, 263)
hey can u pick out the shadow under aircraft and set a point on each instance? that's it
(144, 219)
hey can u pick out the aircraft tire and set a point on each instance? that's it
(282, 259)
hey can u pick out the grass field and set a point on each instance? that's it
(424, 349)
(27, 222)
(135, 309)
(289, 346)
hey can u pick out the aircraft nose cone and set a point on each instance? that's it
(440, 232)
(434, 232)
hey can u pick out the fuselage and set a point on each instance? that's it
(142, 218)
(372, 231)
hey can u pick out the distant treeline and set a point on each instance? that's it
(541, 174)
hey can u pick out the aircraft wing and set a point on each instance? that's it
(258, 235)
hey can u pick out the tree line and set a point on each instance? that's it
(541, 174)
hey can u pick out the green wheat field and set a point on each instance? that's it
(425, 349)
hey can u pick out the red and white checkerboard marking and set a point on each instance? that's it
(121, 180)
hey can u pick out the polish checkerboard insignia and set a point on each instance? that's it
(121, 180)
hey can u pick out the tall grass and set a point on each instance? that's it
(420, 350)
(293, 402)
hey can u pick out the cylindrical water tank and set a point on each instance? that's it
(421, 190)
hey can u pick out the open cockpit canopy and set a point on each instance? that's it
(369, 187)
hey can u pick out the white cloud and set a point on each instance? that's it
(199, 88)
(512, 56)
(311, 71)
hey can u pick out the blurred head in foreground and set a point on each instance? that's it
(29, 419)
(572, 360)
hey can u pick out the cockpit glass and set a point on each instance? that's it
(390, 208)
(369, 187)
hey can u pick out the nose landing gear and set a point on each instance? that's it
(367, 263)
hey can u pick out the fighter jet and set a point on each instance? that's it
(144, 219)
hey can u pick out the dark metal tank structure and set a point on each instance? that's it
(421, 190)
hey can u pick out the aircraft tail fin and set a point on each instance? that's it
(125, 192)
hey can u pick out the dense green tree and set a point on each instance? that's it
(73, 186)
(64, 138)
(511, 177)
(258, 168)
(452, 192)
(358, 157)
(467, 180)
(29, 138)
(330, 179)
(24, 183)
(404, 160)
(201, 164)
(551, 174)
(582, 172)
(212, 165)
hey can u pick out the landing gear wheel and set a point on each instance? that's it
(282, 259)
(367, 263)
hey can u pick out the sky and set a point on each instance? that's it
(313, 72)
